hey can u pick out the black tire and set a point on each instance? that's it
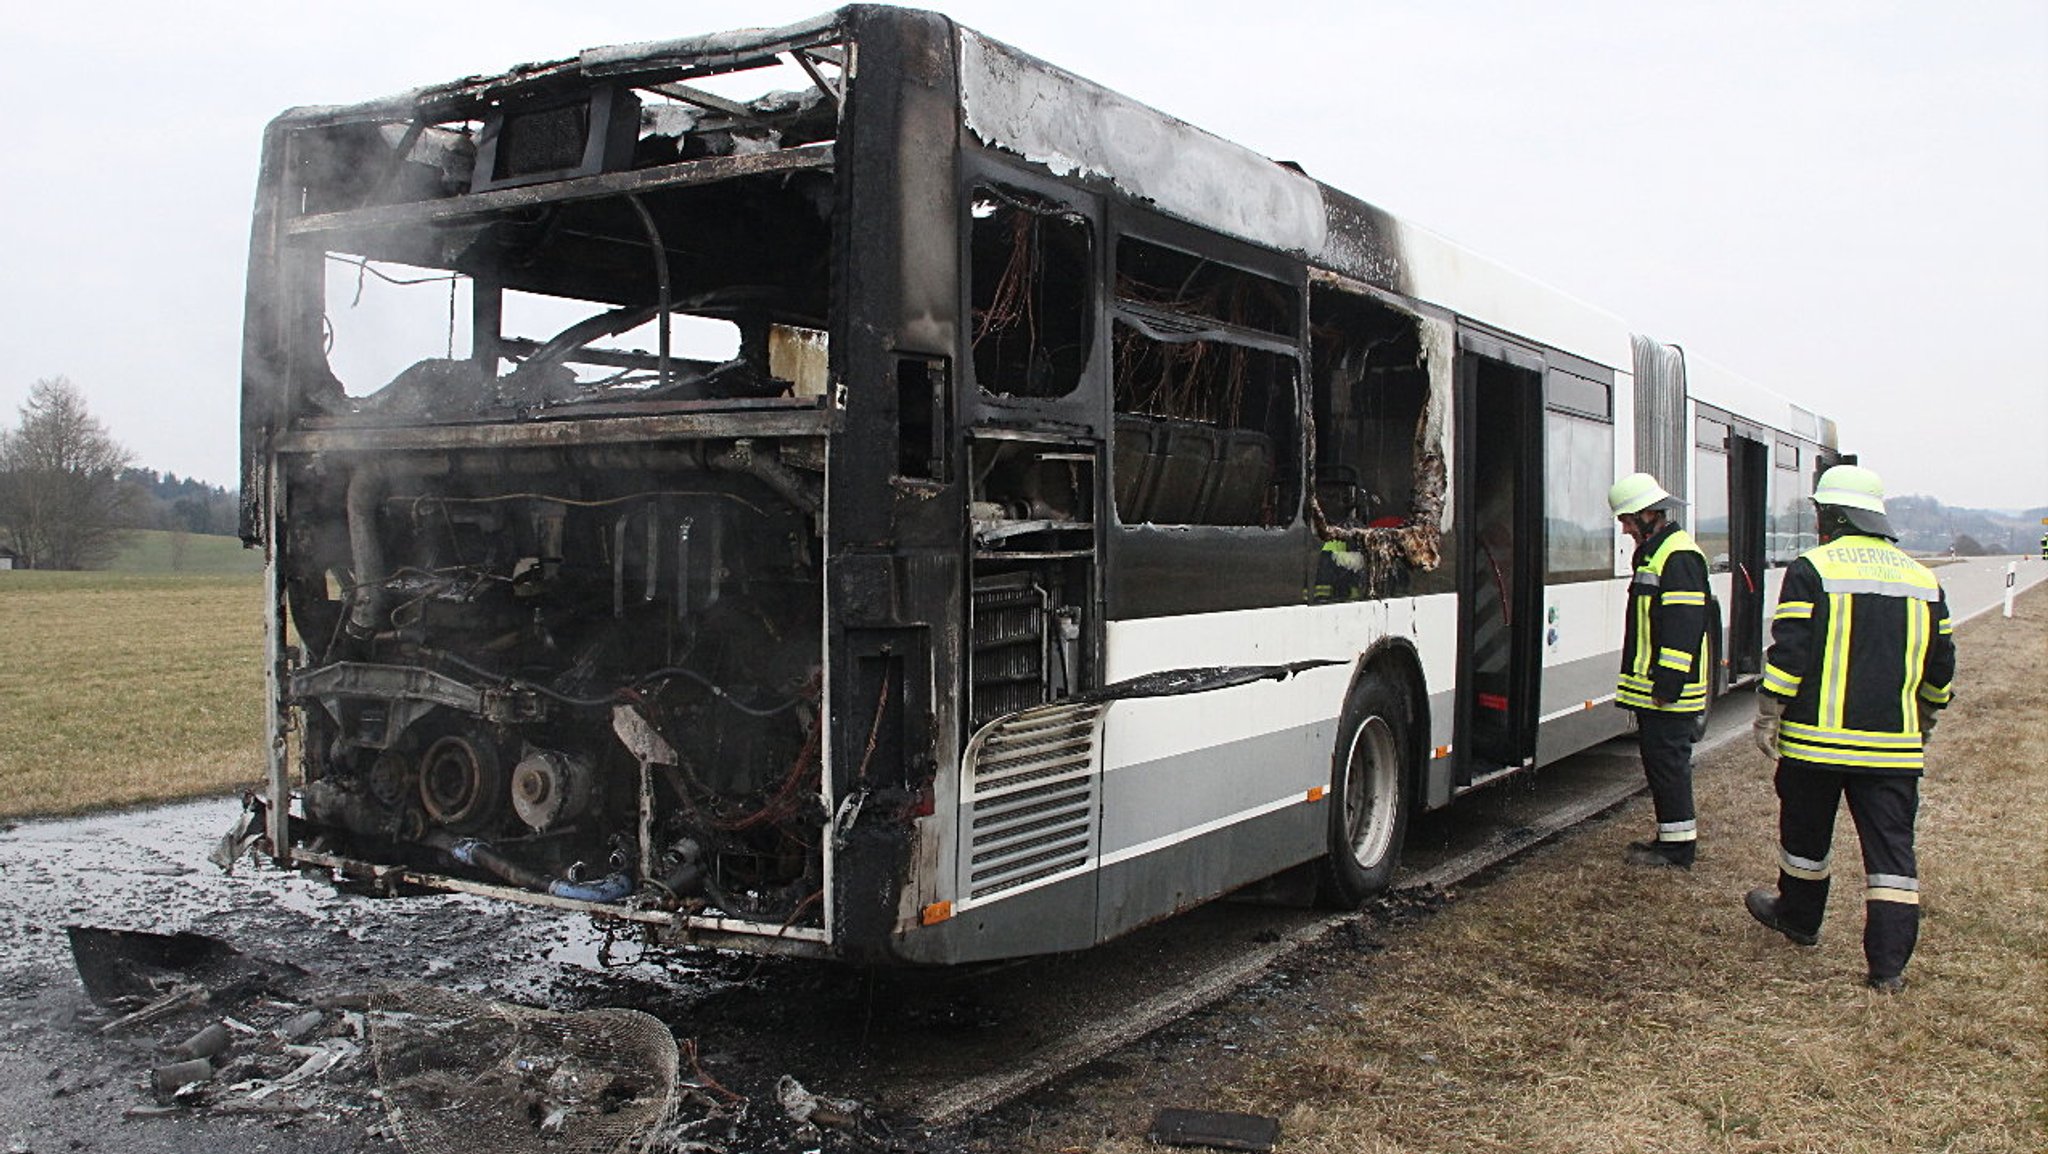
(1370, 783)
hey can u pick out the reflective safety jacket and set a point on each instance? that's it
(1861, 639)
(1664, 641)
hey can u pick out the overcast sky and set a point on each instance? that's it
(1846, 201)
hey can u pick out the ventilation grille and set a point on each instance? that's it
(1030, 798)
(1009, 658)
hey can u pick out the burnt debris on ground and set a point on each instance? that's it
(201, 1029)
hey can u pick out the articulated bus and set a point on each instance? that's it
(857, 490)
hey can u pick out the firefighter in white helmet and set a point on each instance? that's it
(1663, 660)
(1860, 664)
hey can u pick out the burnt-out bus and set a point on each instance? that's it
(855, 489)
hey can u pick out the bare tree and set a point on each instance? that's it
(62, 503)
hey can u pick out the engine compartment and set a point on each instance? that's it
(591, 671)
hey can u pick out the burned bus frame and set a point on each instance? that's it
(1118, 553)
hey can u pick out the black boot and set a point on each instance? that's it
(1763, 906)
(1678, 854)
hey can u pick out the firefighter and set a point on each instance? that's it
(1860, 664)
(1663, 660)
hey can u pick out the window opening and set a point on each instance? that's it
(1377, 442)
(1578, 527)
(1205, 388)
(1186, 285)
(1710, 501)
(387, 320)
(1030, 263)
(1578, 466)
(1204, 432)
(1792, 530)
(1207, 415)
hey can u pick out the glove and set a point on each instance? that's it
(1666, 685)
(1928, 716)
(1769, 711)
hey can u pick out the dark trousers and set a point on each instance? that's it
(1666, 742)
(1883, 808)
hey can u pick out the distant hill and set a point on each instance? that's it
(1925, 525)
(163, 551)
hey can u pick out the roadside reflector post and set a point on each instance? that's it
(2012, 570)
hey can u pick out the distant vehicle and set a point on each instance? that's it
(858, 490)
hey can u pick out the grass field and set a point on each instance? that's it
(156, 551)
(126, 687)
(1572, 1004)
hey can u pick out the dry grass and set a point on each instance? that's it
(118, 688)
(1573, 1005)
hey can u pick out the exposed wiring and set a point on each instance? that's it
(362, 266)
(615, 695)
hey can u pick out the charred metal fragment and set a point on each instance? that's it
(1206, 679)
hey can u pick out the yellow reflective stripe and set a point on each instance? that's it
(1885, 894)
(1677, 542)
(1778, 681)
(1671, 658)
(1946, 627)
(1683, 597)
(1689, 701)
(1793, 611)
(1865, 759)
(1639, 661)
(1938, 694)
(1917, 614)
(1873, 586)
(1871, 737)
(1834, 665)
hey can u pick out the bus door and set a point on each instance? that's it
(1500, 547)
(1749, 470)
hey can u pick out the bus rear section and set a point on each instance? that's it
(538, 426)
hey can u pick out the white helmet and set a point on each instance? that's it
(1637, 492)
(1859, 494)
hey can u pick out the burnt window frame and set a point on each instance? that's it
(1084, 408)
(1151, 228)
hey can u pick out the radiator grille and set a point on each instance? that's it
(1030, 799)
(1009, 650)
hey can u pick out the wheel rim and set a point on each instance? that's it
(1369, 792)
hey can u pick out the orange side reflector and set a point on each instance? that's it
(1316, 794)
(1442, 751)
(936, 912)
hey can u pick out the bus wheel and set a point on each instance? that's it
(1369, 783)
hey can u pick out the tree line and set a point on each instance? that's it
(70, 493)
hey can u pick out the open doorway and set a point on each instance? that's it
(1500, 587)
